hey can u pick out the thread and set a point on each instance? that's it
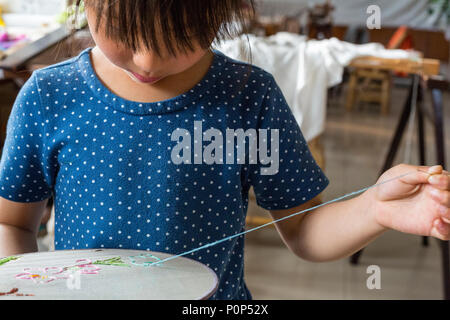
(15, 292)
(281, 219)
(143, 256)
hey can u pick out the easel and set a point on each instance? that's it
(424, 73)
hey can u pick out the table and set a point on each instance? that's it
(56, 46)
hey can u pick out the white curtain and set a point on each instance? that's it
(303, 69)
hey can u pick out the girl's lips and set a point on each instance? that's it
(145, 79)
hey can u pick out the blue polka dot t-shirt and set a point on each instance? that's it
(109, 162)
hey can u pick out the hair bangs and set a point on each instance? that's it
(177, 25)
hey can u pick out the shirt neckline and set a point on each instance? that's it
(182, 101)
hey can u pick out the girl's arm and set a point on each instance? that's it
(413, 204)
(19, 225)
(330, 232)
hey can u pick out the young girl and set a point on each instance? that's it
(98, 132)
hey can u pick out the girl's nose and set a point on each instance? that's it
(147, 62)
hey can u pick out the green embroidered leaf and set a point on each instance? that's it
(7, 259)
(116, 261)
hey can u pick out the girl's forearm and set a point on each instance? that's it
(339, 229)
(14, 240)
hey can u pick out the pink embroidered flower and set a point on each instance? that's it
(49, 274)
(42, 275)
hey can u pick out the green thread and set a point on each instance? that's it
(8, 259)
(116, 261)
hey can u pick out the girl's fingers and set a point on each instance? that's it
(441, 230)
(419, 174)
(440, 196)
(444, 212)
(440, 181)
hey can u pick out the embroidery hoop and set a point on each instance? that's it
(183, 278)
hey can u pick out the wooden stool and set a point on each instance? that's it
(369, 85)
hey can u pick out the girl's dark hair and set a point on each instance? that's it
(136, 23)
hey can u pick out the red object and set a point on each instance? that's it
(4, 37)
(401, 40)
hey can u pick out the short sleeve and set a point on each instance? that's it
(294, 178)
(24, 167)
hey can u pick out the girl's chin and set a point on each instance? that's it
(140, 80)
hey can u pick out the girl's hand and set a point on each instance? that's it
(417, 203)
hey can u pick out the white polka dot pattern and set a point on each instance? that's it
(108, 163)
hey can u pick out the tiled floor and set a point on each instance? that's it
(355, 147)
